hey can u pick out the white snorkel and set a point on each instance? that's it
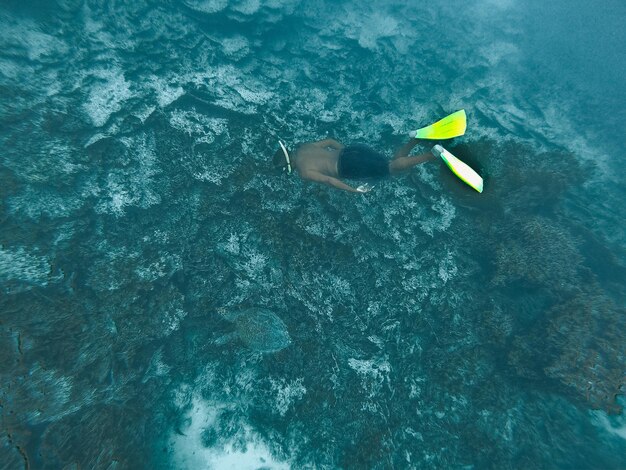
(282, 146)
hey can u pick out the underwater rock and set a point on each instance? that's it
(581, 346)
(538, 252)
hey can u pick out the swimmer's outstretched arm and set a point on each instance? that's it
(330, 143)
(328, 181)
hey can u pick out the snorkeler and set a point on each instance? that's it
(328, 162)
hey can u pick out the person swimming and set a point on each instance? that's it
(329, 162)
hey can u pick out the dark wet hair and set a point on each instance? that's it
(279, 159)
(280, 162)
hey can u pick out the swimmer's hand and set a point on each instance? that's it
(412, 134)
(364, 188)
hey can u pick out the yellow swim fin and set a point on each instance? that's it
(462, 170)
(451, 126)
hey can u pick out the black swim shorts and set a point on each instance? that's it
(359, 161)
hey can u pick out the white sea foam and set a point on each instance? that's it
(236, 46)
(232, 90)
(55, 395)
(166, 93)
(366, 24)
(135, 188)
(500, 5)
(105, 272)
(396, 122)
(47, 161)
(232, 246)
(444, 213)
(212, 169)
(20, 265)
(203, 128)
(189, 452)
(316, 224)
(247, 7)
(377, 26)
(50, 161)
(34, 202)
(500, 52)
(156, 368)
(207, 6)
(373, 372)
(254, 263)
(615, 425)
(106, 95)
(447, 267)
(10, 70)
(164, 266)
(341, 287)
(27, 35)
(287, 393)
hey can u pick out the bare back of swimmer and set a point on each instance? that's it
(329, 162)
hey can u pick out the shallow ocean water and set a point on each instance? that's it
(429, 326)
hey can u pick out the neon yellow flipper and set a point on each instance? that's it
(462, 170)
(451, 126)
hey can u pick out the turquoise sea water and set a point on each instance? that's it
(422, 325)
